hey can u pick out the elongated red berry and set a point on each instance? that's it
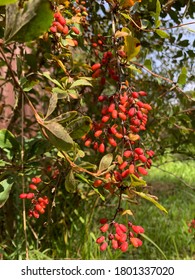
(138, 229)
(131, 112)
(95, 66)
(114, 244)
(112, 141)
(123, 227)
(100, 239)
(33, 187)
(104, 228)
(103, 246)
(30, 195)
(139, 151)
(136, 242)
(124, 246)
(36, 180)
(23, 195)
(101, 148)
(142, 170)
(75, 30)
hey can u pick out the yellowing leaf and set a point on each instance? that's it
(132, 45)
(134, 137)
(127, 212)
(128, 3)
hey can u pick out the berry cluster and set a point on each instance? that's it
(59, 25)
(38, 203)
(123, 116)
(105, 69)
(120, 237)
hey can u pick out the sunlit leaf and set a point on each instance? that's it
(162, 33)
(81, 82)
(58, 136)
(6, 2)
(24, 24)
(8, 140)
(151, 199)
(5, 188)
(79, 127)
(136, 182)
(132, 45)
(105, 162)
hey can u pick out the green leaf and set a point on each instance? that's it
(5, 188)
(132, 45)
(29, 22)
(58, 136)
(8, 140)
(136, 182)
(47, 75)
(148, 64)
(70, 182)
(81, 82)
(79, 127)
(6, 2)
(182, 79)
(65, 117)
(105, 163)
(52, 105)
(151, 199)
(162, 33)
(183, 76)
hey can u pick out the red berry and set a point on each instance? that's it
(98, 133)
(142, 170)
(136, 242)
(127, 153)
(35, 214)
(131, 169)
(142, 158)
(65, 30)
(95, 66)
(53, 29)
(105, 118)
(114, 244)
(103, 221)
(75, 30)
(104, 228)
(135, 94)
(97, 183)
(124, 246)
(61, 20)
(23, 195)
(104, 246)
(123, 227)
(123, 165)
(30, 195)
(132, 112)
(36, 180)
(101, 148)
(100, 239)
(112, 141)
(97, 73)
(139, 151)
(138, 229)
(33, 187)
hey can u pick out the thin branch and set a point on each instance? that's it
(175, 86)
(172, 174)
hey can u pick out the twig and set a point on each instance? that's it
(179, 178)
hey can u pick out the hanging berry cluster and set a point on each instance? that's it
(38, 203)
(123, 117)
(119, 236)
(60, 26)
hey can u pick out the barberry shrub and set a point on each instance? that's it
(83, 122)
